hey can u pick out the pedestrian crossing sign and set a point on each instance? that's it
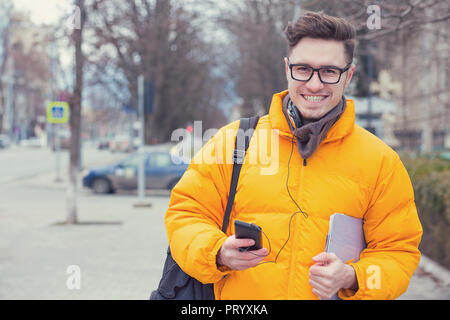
(58, 112)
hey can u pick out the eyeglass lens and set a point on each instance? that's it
(327, 75)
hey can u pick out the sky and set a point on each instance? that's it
(44, 11)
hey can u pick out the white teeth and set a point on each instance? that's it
(314, 98)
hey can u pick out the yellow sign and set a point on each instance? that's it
(58, 112)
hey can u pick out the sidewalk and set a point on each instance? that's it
(119, 249)
(430, 281)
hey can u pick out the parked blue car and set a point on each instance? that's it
(162, 170)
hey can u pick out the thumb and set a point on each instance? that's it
(325, 257)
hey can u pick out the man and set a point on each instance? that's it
(326, 164)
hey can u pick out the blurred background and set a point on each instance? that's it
(199, 60)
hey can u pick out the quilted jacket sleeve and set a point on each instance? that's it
(393, 232)
(195, 214)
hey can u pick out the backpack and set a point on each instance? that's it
(175, 284)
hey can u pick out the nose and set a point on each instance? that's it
(314, 84)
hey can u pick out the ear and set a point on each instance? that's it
(349, 75)
(286, 67)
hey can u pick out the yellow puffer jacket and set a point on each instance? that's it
(351, 172)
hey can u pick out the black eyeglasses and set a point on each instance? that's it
(327, 74)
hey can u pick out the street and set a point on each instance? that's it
(24, 162)
(116, 252)
(27, 162)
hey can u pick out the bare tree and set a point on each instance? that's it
(256, 29)
(161, 40)
(5, 35)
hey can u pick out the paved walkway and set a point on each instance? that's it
(118, 249)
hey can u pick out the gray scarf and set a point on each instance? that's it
(309, 135)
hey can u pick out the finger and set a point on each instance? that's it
(318, 286)
(259, 252)
(321, 257)
(325, 257)
(238, 243)
(322, 295)
(318, 271)
(245, 264)
(250, 255)
(320, 283)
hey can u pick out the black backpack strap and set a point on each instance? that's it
(241, 145)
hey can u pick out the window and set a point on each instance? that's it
(160, 160)
(131, 162)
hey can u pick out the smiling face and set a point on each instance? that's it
(314, 98)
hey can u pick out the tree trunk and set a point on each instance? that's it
(75, 121)
(71, 196)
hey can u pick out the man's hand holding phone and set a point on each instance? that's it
(229, 254)
(243, 250)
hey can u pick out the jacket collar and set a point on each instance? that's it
(343, 127)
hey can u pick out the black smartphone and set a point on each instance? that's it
(246, 230)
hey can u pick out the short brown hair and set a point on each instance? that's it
(321, 26)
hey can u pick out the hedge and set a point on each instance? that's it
(430, 177)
